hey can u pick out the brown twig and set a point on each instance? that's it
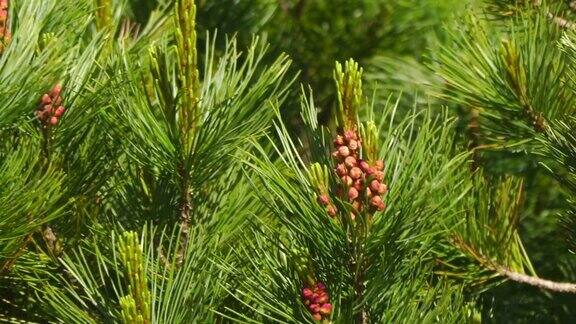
(535, 281)
(185, 207)
(559, 21)
(362, 315)
(561, 287)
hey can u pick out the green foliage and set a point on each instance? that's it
(517, 79)
(509, 75)
(97, 283)
(19, 217)
(229, 93)
(181, 185)
(560, 148)
(424, 192)
(487, 237)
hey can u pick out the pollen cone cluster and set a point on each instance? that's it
(50, 110)
(317, 300)
(324, 200)
(362, 182)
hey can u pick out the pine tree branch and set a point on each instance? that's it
(559, 21)
(357, 267)
(48, 235)
(185, 207)
(561, 287)
(189, 111)
(362, 317)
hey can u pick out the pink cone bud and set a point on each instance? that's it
(379, 175)
(370, 171)
(331, 210)
(46, 99)
(323, 200)
(335, 155)
(55, 92)
(326, 309)
(347, 180)
(350, 135)
(379, 165)
(355, 173)
(376, 201)
(358, 185)
(364, 165)
(322, 299)
(59, 111)
(375, 185)
(320, 285)
(339, 141)
(307, 293)
(353, 145)
(341, 169)
(350, 161)
(314, 308)
(352, 193)
(383, 189)
(381, 207)
(317, 317)
(53, 121)
(343, 151)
